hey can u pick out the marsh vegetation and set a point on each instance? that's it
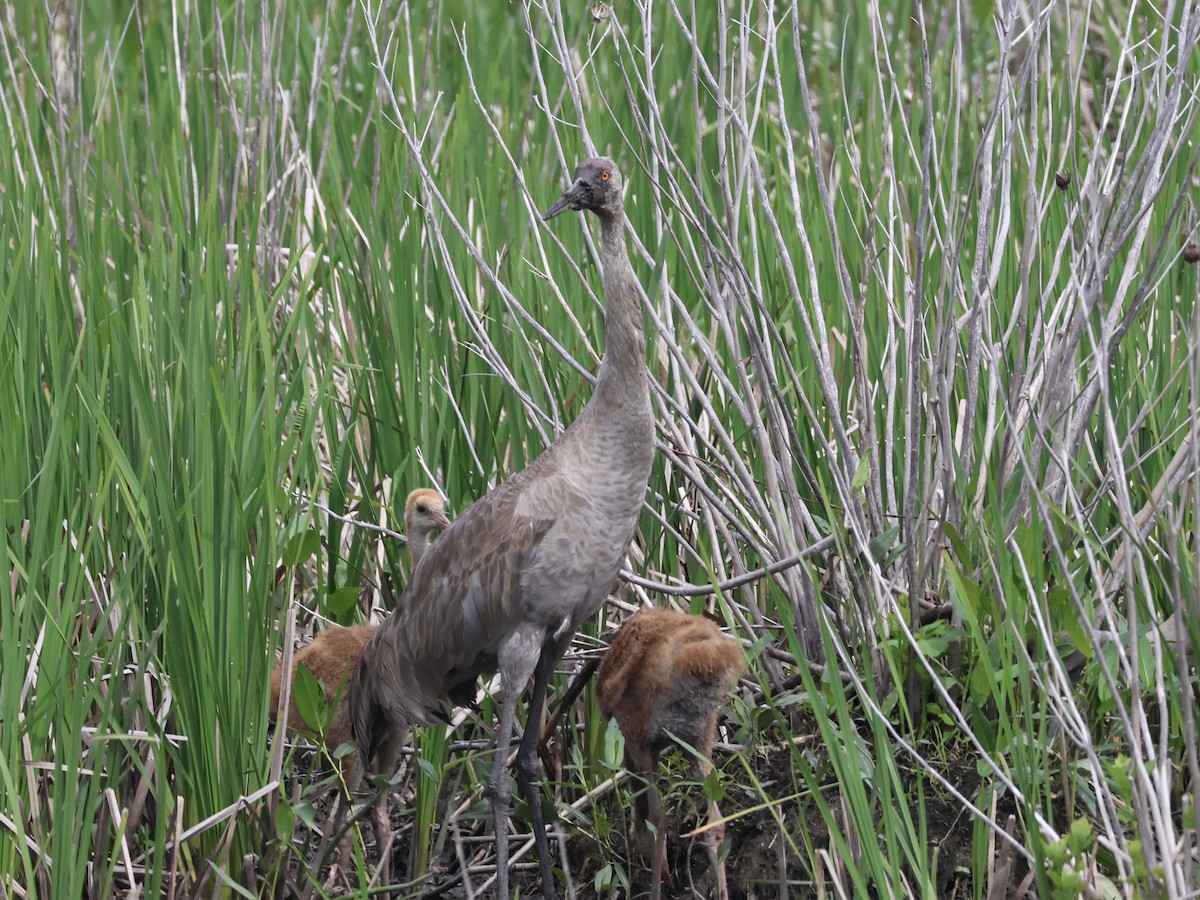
(920, 294)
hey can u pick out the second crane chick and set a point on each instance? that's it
(665, 678)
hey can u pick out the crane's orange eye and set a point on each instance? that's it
(604, 176)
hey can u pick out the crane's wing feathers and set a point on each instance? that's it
(449, 623)
(458, 596)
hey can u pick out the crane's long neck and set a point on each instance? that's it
(623, 378)
(609, 448)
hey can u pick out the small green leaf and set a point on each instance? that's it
(886, 545)
(863, 471)
(427, 770)
(310, 699)
(230, 883)
(285, 820)
(301, 547)
(966, 596)
(306, 813)
(1081, 836)
(934, 639)
(981, 684)
(603, 878)
(712, 787)
(613, 747)
(342, 600)
(961, 553)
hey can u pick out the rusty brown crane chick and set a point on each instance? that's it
(665, 677)
(424, 516)
(509, 583)
(332, 655)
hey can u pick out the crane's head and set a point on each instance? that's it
(597, 187)
(424, 513)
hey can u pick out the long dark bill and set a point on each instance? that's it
(569, 200)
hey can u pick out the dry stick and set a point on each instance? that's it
(914, 531)
(1000, 864)
(30, 843)
(1107, 231)
(27, 686)
(537, 234)
(874, 505)
(1065, 239)
(1113, 333)
(812, 319)
(384, 869)
(461, 294)
(711, 225)
(701, 590)
(1148, 185)
(813, 325)
(699, 341)
(275, 768)
(983, 277)
(1188, 700)
(1179, 470)
(887, 279)
(578, 806)
(1152, 818)
(173, 847)
(1116, 324)
(462, 859)
(1025, 257)
(244, 801)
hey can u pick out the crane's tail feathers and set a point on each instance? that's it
(366, 720)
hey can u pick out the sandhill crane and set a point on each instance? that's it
(508, 584)
(664, 678)
(331, 656)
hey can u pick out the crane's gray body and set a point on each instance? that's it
(508, 584)
(524, 566)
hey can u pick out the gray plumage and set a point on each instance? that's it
(508, 584)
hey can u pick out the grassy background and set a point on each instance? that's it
(920, 313)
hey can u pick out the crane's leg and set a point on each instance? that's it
(518, 656)
(529, 768)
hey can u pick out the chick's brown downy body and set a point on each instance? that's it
(664, 679)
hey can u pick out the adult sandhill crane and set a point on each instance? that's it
(508, 584)
(664, 678)
(331, 656)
